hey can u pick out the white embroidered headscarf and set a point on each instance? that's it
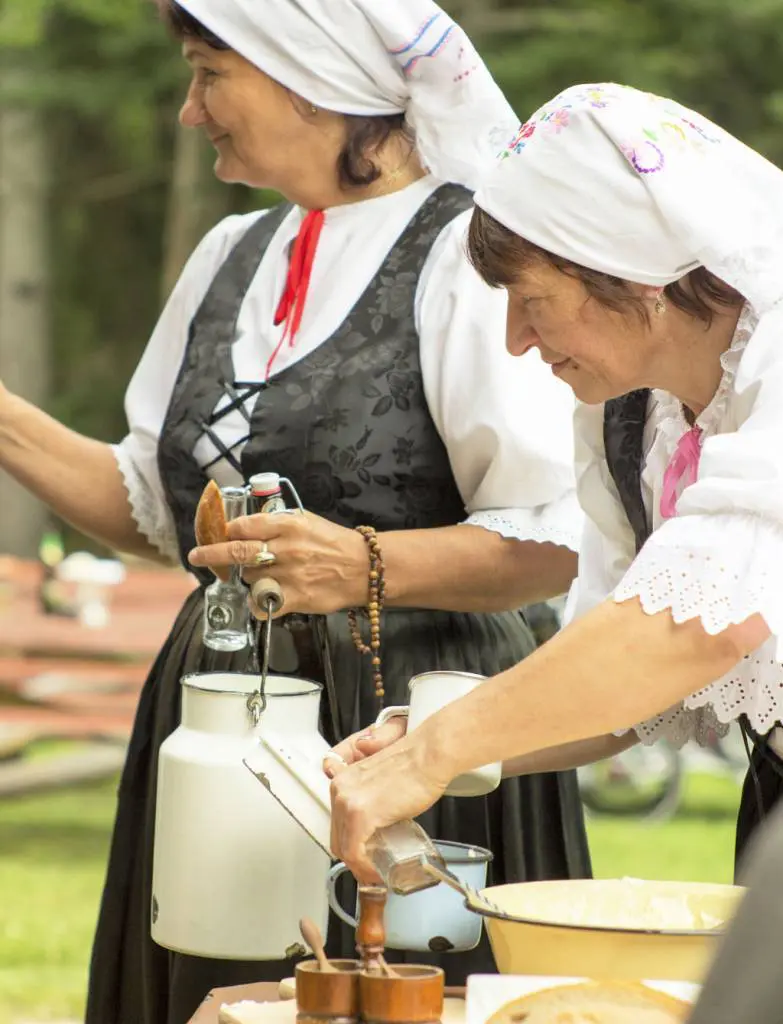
(377, 57)
(642, 188)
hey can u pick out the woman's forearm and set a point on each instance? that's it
(569, 755)
(608, 671)
(76, 476)
(469, 569)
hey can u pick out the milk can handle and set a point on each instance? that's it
(331, 887)
(268, 596)
(267, 591)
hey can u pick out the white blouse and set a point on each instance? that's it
(720, 557)
(506, 423)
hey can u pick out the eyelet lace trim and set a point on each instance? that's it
(689, 568)
(680, 724)
(558, 528)
(153, 522)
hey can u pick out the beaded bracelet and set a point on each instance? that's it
(376, 590)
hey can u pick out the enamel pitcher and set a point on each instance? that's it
(233, 873)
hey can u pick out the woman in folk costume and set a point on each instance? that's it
(641, 248)
(343, 340)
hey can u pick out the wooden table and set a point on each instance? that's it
(266, 992)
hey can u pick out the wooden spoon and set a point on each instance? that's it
(311, 933)
(387, 970)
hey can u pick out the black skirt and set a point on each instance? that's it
(534, 825)
(761, 791)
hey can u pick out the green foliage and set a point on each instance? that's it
(24, 23)
(718, 56)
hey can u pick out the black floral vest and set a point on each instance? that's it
(348, 423)
(624, 420)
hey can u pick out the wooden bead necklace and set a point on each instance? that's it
(376, 592)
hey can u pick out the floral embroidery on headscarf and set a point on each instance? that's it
(553, 120)
(554, 116)
(519, 141)
(556, 119)
(643, 189)
(646, 156)
(678, 132)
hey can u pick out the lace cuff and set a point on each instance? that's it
(152, 518)
(560, 522)
(721, 569)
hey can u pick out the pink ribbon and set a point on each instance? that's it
(683, 469)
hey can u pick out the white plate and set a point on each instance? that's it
(487, 993)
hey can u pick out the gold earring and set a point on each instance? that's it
(660, 304)
(313, 109)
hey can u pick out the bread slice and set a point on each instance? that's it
(594, 1003)
(210, 525)
(211, 516)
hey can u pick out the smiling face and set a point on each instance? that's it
(599, 352)
(260, 133)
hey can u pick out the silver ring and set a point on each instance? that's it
(265, 558)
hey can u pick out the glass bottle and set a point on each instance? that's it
(226, 614)
(267, 493)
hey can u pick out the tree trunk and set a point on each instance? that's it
(24, 288)
(195, 204)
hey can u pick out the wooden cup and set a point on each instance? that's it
(414, 996)
(327, 995)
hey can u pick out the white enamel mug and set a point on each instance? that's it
(434, 920)
(429, 693)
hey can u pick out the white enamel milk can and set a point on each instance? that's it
(233, 872)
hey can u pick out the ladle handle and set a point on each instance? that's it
(473, 900)
(267, 595)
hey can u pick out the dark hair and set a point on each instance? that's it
(364, 136)
(183, 25)
(500, 256)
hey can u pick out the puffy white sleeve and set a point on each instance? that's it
(608, 544)
(506, 423)
(149, 392)
(720, 558)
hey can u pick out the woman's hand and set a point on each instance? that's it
(364, 744)
(400, 782)
(321, 567)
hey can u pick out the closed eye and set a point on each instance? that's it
(204, 75)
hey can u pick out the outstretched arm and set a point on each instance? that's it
(608, 671)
